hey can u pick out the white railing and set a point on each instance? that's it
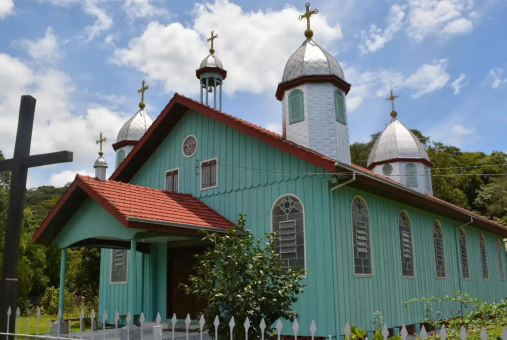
(155, 332)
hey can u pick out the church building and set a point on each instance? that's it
(370, 238)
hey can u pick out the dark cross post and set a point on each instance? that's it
(19, 165)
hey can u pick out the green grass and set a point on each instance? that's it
(32, 324)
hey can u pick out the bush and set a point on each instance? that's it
(49, 301)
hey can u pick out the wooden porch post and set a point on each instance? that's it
(131, 303)
(63, 270)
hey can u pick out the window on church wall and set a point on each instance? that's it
(427, 177)
(463, 253)
(499, 254)
(411, 175)
(484, 258)
(119, 266)
(438, 243)
(406, 245)
(363, 263)
(172, 180)
(209, 174)
(339, 106)
(120, 156)
(296, 106)
(289, 225)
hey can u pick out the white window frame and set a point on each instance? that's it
(111, 269)
(370, 233)
(413, 248)
(165, 179)
(443, 249)
(483, 238)
(468, 257)
(183, 146)
(200, 173)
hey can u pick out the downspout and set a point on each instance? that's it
(335, 255)
(458, 262)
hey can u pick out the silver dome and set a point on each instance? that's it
(396, 141)
(135, 127)
(100, 163)
(211, 61)
(311, 59)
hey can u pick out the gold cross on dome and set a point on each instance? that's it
(101, 140)
(213, 37)
(141, 91)
(392, 98)
(308, 14)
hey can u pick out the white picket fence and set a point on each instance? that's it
(131, 332)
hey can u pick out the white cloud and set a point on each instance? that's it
(254, 52)
(495, 79)
(428, 78)
(43, 49)
(67, 176)
(275, 127)
(142, 8)
(6, 8)
(103, 21)
(457, 84)
(112, 99)
(376, 38)
(452, 133)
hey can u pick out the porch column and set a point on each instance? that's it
(131, 303)
(63, 270)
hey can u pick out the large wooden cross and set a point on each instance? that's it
(19, 165)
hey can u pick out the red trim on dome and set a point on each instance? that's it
(392, 160)
(338, 82)
(218, 70)
(123, 143)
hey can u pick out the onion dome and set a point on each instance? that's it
(211, 61)
(135, 127)
(397, 143)
(311, 59)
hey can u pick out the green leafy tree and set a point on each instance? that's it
(240, 277)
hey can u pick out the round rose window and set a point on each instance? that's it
(189, 146)
(387, 169)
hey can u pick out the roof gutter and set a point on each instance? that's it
(180, 225)
(344, 183)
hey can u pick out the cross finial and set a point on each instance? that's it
(141, 91)
(213, 37)
(392, 98)
(307, 15)
(101, 140)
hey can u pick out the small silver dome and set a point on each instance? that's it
(211, 61)
(100, 163)
(310, 59)
(396, 141)
(135, 127)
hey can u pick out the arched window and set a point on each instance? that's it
(406, 245)
(296, 106)
(289, 224)
(484, 258)
(411, 175)
(339, 107)
(463, 253)
(120, 156)
(361, 237)
(499, 254)
(438, 243)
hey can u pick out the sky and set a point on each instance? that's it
(83, 60)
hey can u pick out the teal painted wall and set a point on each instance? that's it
(360, 297)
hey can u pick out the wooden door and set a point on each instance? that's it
(180, 264)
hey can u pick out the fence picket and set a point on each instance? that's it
(313, 329)
(8, 318)
(216, 323)
(385, 332)
(141, 323)
(231, 326)
(346, 330)
(81, 317)
(484, 334)
(263, 327)
(279, 329)
(187, 324)
(504, 334)
(201, 324)
(128, 324)
(104, 319)
(116, 320)
(295, 328)
(404, 333)
(92, 317)
(38, 319)
(247, 326)
(27, 325)
(443, 333)
(158, 319)
(173, 322)
(463, 333)
(47, 326)
(58, 318)
(423, 334)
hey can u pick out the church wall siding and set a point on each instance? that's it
(359, 297)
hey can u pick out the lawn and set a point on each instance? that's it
(32, 324)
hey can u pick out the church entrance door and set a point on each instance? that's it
(180, 264)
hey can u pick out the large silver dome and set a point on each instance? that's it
(211, 61)
(396, 141)
(135, 127)
(310, 59)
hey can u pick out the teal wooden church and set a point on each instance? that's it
(369, 238)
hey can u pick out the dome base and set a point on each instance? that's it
(338, 82)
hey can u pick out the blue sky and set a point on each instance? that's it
(84, 60)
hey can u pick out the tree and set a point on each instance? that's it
(240, 277)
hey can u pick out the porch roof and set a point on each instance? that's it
(135, 207)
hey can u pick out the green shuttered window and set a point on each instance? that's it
(484, 258)
(406, 245)
(499, 254)
(438, 243)
(363, 264)
(119, 266)
(289, 225)
(463, 253)
(296, 107)
(339, 106)
(411, 175)
(120, 156)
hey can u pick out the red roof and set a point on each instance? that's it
(140, 207)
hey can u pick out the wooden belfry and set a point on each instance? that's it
(19, 165)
